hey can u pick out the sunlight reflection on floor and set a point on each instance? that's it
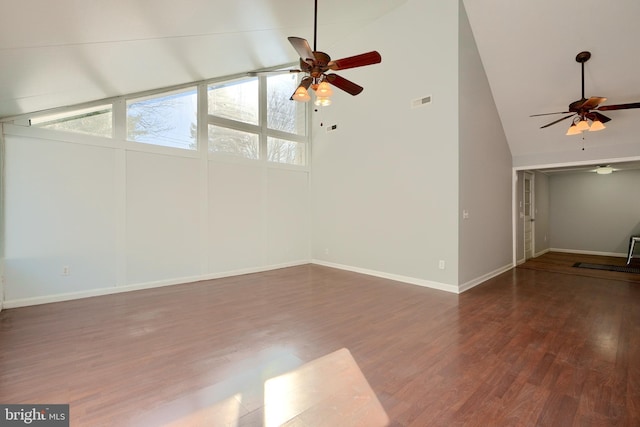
(327, 391)
(278, 390)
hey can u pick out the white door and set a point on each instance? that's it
(529, 219)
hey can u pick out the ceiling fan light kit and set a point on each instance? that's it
(580, 125)
(586, 110)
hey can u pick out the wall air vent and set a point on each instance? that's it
(421, 101)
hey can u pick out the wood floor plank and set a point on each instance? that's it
(542, 344)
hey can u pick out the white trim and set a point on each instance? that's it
(2, 213)
(60, 136)
(24, 302)
(203, 151)
(575, 163)
(514, 216)
(598, 253)
(542, 252)
(405, 279)
(478, 280)
(531, 176)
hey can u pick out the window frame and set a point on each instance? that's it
(263, 131)
(21, 125)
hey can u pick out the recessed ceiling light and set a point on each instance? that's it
(604, 170)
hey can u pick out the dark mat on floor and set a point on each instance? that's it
(608, 267)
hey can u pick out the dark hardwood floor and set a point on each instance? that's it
(316, 346)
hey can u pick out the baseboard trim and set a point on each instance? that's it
(24, 302)
(542, 252)
(475, 282)
(398, 278)
(577, 251)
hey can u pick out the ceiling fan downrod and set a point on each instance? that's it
(315, 26)
(582, 57)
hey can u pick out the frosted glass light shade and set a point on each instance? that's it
(582, 125)
(301, 94)
(573, 130)
(596, 126)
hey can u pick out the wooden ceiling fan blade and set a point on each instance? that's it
(557, 121)
(306, 66)
(302, 47)
(361, 60)
(601, 117)
(271, 72)
(549, 114)
(619, 106)
(592, 102)
(344, 84)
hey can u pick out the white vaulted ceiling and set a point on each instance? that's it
(55, 53)
(528, 50)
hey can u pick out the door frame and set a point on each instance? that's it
(531, 177)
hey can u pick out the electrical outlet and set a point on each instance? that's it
(66, 270)
(441, 264)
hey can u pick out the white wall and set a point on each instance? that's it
(385, 183)
(485, 171)
(594, 213)
(122, 219)
(385, 192)
(162, 217)
(60, 211)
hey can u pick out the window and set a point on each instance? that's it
(286, 121)
(91, 121)
(235, 100)
(237, 128)
(234, 142)
(282, 113)
(169, 119)
(285, 151)
(250, 117)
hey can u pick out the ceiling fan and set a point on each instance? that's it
(317, 65)
(584, 110)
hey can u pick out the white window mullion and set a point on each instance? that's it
(119, 121)
(262, 90)
(203, 154)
